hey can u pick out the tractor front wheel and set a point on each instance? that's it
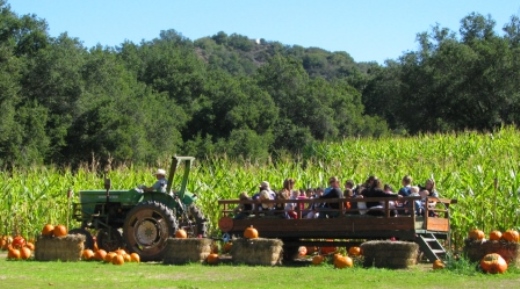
(146, 229)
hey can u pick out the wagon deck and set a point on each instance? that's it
(350, 225)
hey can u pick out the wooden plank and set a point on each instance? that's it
(438, 224)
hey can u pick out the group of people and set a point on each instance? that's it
(263, 202)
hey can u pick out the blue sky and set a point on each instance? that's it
(370, 30)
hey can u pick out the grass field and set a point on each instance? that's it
(34, 274)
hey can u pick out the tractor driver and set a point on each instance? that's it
(160, 185)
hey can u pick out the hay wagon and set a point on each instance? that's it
(351, 226)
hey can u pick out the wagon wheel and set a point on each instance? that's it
(146, 229)
(89, 241)
(109, 239)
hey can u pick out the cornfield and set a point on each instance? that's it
(479, 170)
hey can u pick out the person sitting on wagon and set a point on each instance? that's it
(376, 191)
(243, 210)
(331, 210)
(160, 185)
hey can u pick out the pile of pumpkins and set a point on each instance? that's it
(17, 248)
(118, 257)
(494, 263)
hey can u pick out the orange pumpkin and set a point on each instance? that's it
(30, 245)
(495, 235)
(341, 261)
(251, 233)
(100, 255)
(511, 236)
(476, 234)
(317, 260)
(109, 256)
(3, 243)
(127, 258)
(13, 253)
(118, 259)
(438, 264)
(493, 263)
(181, 234)
(48, 230)
(354, 251)
(328, 250)
(212, 258)
(120, 251)
(134, 257)
(87, 255)
(18, 242)
(60, 231)
(25, 253)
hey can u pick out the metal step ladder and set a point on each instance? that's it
(430, 246)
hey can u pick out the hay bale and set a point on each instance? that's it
(182, 251)
(68, 248)
(261, 251)
(389, 254)
(475, 250)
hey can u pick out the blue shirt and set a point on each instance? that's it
(160, 185)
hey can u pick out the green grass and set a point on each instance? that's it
(34, 274)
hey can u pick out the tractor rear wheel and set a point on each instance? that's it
(146, 229)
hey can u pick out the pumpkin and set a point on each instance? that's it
(312, 250)
(13, 253)
(511, 236)
(250, 233)
(134, 257)
(227, 247)
(341, 261)
(100, 255)
(302, 251)
(495, 235)
(212, 258)
(493, 263)
(3, 243)
(354, 251)
(476, 234)
(328, 250)
(60, 231)
(127, 258)
(87, 254)
(317, 260)
(25, 253)
(48, 230)
(438, 264)
(18, 242)
(109, 256)
(118, 259)
(120, 251)
(30, 245)
(181, 234)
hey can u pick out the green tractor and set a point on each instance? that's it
(140, 221)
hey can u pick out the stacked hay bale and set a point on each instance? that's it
(260, 251)
(182, 251)
(390, 254)
(67, 248)
(475, 250)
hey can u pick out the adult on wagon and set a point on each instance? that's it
(160, 185)
(331, 210)
(243, 210)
